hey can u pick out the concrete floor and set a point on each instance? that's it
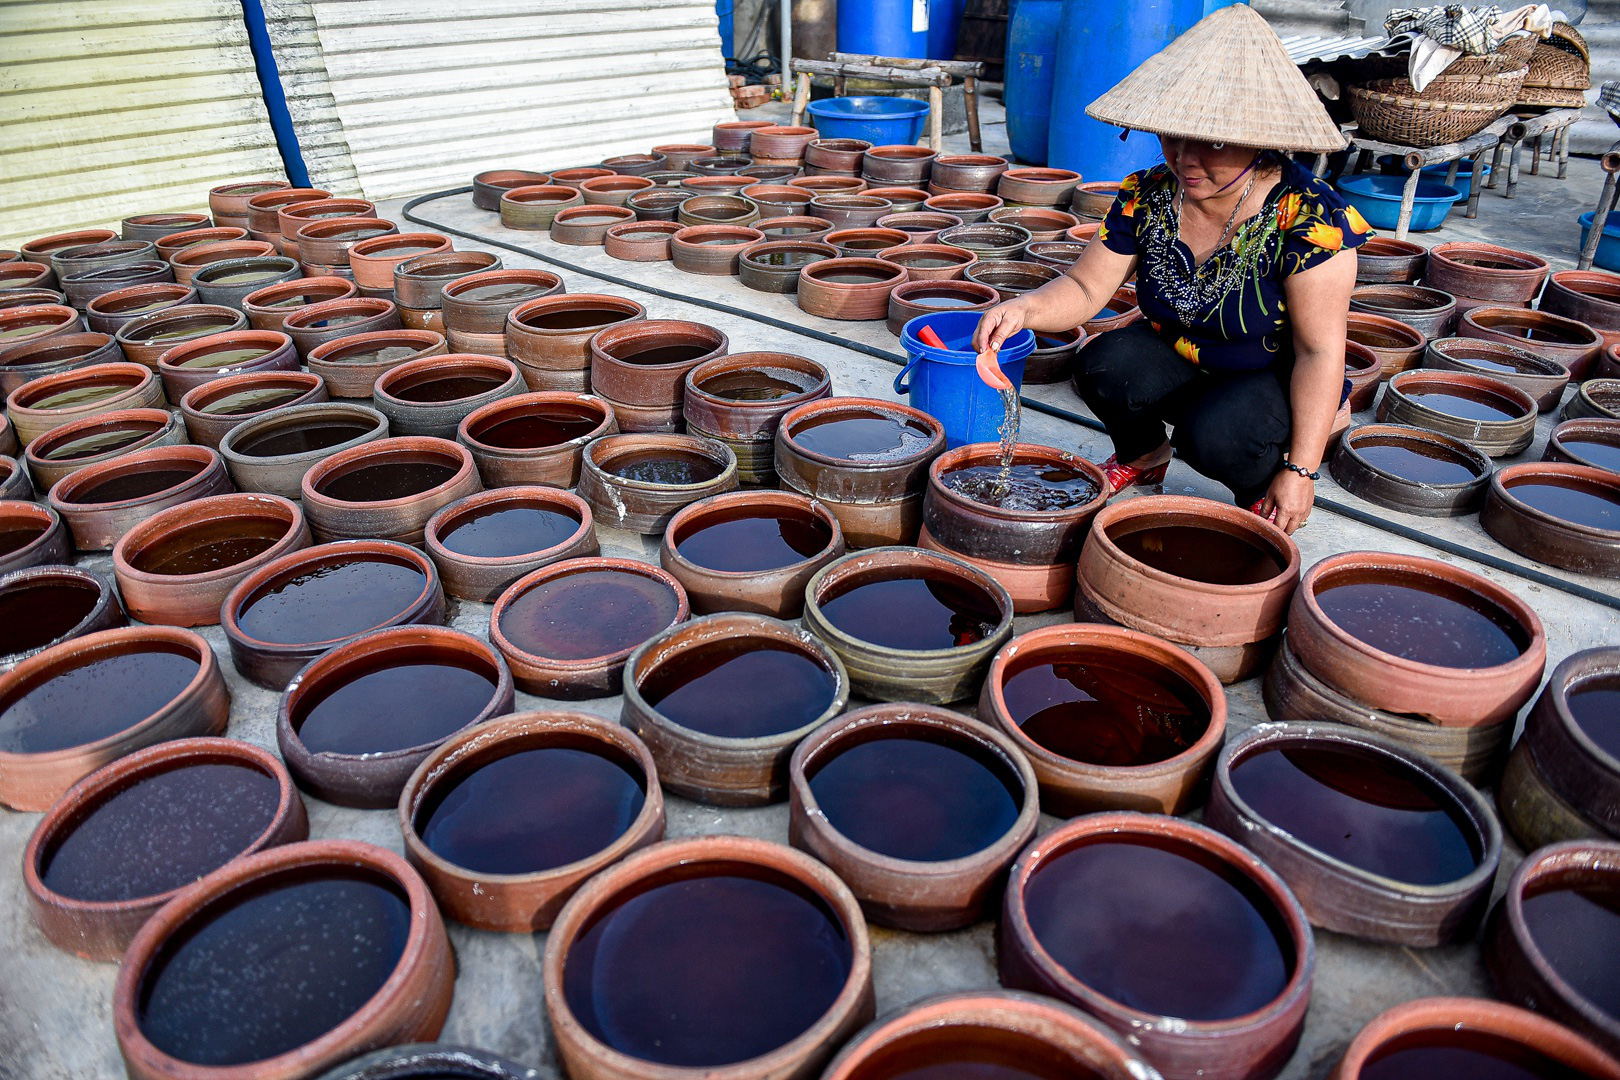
(55, 1010)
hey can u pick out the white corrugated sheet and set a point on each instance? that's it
(1304, 48)
(321, 139)
(430, 93)
(119, 107)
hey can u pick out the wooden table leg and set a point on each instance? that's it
(1363, 160)
(1451, 171)
(1535, 158)
(801, 97)
(936, 119)
(1512, 170)
(1474, 186)
(970, 99)
(840, 84)
(1563, 151)
(1408, 193)
(1600, 217)
(1496, 165)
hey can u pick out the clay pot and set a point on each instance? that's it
(229, 281)
(776, 591)
(83, 287)
(157, 591)
(905, 893)
(1430, 312)
(1037, 187)
(534, 208)
(107, 312)
(774, 265)
(40, 249)
(1432, 1019)
(146, 339)
(467, 312)
(188, 365)
(294, 216)
(717, 210)
(419, 281)
(723, 178)
(8, 446)
(775, 200)
(410, 1005)
(640, 241)
(16, 298)
(49, 544)
(488, 187)
(1031, 553)
(282, 474)
(1543, 379)
(850, 211)
(102, 929)
(410, 1059)
(1011, 278)
(73, 261)
(858, 243)
(780, 141)
(1058, 254)
(829, 185)
(127, 386)
(166, 246)
(900, 199)
(1402, 403)
(31, 780)
(897, 164)
(19, 275)
(1449, 696)
(1041, 222)
(884, 673)
(59, 352)
(1425, 498)
(373, 261)
(483, 578)
(572, 679)
(1572, 344)
(348, 375)
(1572, 545)
(876, 502)
(930, 262)
(402, 518)
(406, 394)
(636, 164)
(920, 227)
(50, 586)
(916, 298)
(549, 338)
(189, 260)
(1476, 271)
(265, 308)
(264, 208)
(1094, 198)
(1589, 297)
(586, 226)
(822, 294)
(719, 403)
(1596, 399)
(794, 227)
(657, 204)
(1294, 696)
(1396, 345)
(313, 326)
(1383, 259)
(231, 200)
(1607, 366)
(837, 155)
(678, 156)
(1256, 1045)
(326, 242)
(1120, 312)
(554, 464)
(1341, 896)
(37, 322)
(1573, 763)
(990, 241)
(186, 472)
(1571, 440)
(711, 249)
(587, 1058)
(1053, 359)
(967, 172)
(620, 375)
(643, 506)
(1534, 813)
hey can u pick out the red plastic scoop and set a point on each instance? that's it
(989, 370)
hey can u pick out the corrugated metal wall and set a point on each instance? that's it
(321, 139)
(117, 107)
(430, 93)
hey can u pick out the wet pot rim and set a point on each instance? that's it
(585, 564)
(160, 526)
(963, 456)
(1173, 507)
(1502, 489)
(715, 503)
(388, 446)
(522, 494)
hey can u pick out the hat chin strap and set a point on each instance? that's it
(1247, 170)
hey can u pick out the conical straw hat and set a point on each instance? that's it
(1228, 79)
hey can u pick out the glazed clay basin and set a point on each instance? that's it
(1166, 777)
(166, 683)
(1032, 553)
(176, 567)
(1541, 378)
(195, 363)
(401, 995)
(489, 186)
(1447, 694)
(731, 745)
(1573, 750)
(645, 362)
(761, 538)
(100, 503)
(483, 562)
(658, 599)
(1597, 399)
(1580, 532)
(351, 366)
(1356, 466)
(904, 890)
(496, 894)
(1586, 442)
(731, 978)
(893, 668)
(364, 758)
(856, 243)
(586, 226)
(931, 261)
(825, 292)
(1501, 419)
(1573, 344)
(1041, 222)
(272, 452)
(231, 200)
(837, 155)
(535, 438)
(1485, 272)
(1253, 1045)
(829, 185)
(47, 605)
(1372, 890)
(326, 242)
(419, 282)
(1590, 297)
(1397, 345)
(433, 395)
(1384, 259)
(98, 919)
(268, 308)
(774, 265)
(698, 468)
(715, 250)
(1430, 312)
(794, 227)
(1474, 1022)
(65, 450)
(34, 535)
(188, 261)
(317, 324)
(916, 298)
(47, 356)
(291, 217)
(1361, 367)
(433, 1059)
(264, 209)
(1011, 278)
(1218, 581)
(549, 338)
(211, 410)
(107, 312)
(373, 261)
(640, 241)
(55, 400)
(388, 489)
(741, 398)
(167, 246)
(39, 249)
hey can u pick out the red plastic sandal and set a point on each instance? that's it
(1122, 476)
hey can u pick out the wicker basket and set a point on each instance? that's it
(1416, 121)
(1460, 88)
(1560, 69)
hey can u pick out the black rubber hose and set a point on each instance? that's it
(1461, 551)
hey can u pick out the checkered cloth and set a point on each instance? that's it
(1609, 98)
(1471, 30)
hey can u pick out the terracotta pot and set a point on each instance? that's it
(657, 204)
(1430, 312)
(920, 227)
(1382, 259)
(20, 275)
(488, 187)
(1120, 312)
(897, 164)
(711, 249)
(777, 199)
(1070, 786)
(916, 298)
(229, 281)
(290, 217)
(821, 293)
(59, 352)
(576, 176)
(56, 400)
(271, 453)
(397, 1062)
(101, 929)
(909, 894)
(640, 241)
(1534, 813)
(351, 366)
(485, 577)
(426, 397)
(1094, 198)
(1572, 344)
(59, 603)
(8, 446)
(16, 298)
(858, 243)
(1053, 359)
(35, 773)
(1581, 442)
(65, 450)
(586, 226)
(1451, 696)
(1541, 378)
(900, 199)
(930, 262)
(840, 155)
(830, 185)
(326, 241)
(1058, 254)
(158, 590)
(373, 261)
(409, 1005)
(777, 590)
(269, 307)
(720, 401)
(317, 324)
(166, 246)
(507, 460)
(147, 338)
(848, 211)
(1397, 345)
(1608, 364)
(780, 141)
(1485, 272)
(586, 1057)
(1041, 222)
(706, 209)
(107, 312)
(419, 281)
(1037, 187)
(794, 227)
(1294, 696)
(84, 286)
(1011, 278)
(1589, 297)
(1596, 399)
(636, 164)
(1402, 403)
(774, 265)
(97, 521)
(48, 543)
(1584, 546)
(195, 363)
(332, 517)
(535, 207)
(719, 176)
(1254, 1046)
(990, 241)
(264, 208)
(70, 262)
(583, 677)
(189, 260)
(549, 338)
(1439, 1021)
(40, 249)
(1360, 475)
(1575, 765)
(619, 374)
(231, 200)
(645, 506)
(482, 303)
(678, 156)
(967, 172)
(37, 322)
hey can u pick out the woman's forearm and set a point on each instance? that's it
(1316, 386)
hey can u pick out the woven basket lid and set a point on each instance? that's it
(1228, 79)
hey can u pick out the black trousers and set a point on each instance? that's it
(1231, 426)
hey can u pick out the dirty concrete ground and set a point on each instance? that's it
(55, 1010)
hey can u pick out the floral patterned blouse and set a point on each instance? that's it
(1230, 313)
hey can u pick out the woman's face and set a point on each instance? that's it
(1202, 168)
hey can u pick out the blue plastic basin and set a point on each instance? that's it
(1378, 198)
(1393, 165)
(1608, 249)
(881, 121)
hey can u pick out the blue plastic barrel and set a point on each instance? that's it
(1031, 58)
(725, 11)
(881, 121)
(945, 383)
(944, 22)
(1099, 44)
(906, 28)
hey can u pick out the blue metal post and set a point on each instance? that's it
(275, 99)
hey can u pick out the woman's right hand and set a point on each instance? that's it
(998, 324)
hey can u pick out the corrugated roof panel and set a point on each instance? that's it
(322, 142)
(426, 101)
(1304, 48)
(117, 107)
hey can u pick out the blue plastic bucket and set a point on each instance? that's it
(881, 121)
(945, 384)
(1608, 249)
(1378, 198)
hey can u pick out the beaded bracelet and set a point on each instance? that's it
(1291, 467)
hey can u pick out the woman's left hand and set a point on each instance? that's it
(1289, 499)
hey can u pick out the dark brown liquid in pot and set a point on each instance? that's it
(746, 541)
(134, 485)
(414, 698)
(1452, 630)
(1462, 1055)
(533, 430)
(92, 701)
(332, 601)
(210, 545)
(35, 615)
(1578, 931)
(502, 532)
(913, 613)
(386, 480)
(1206, 555)
(738, 688)
(589, 614)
